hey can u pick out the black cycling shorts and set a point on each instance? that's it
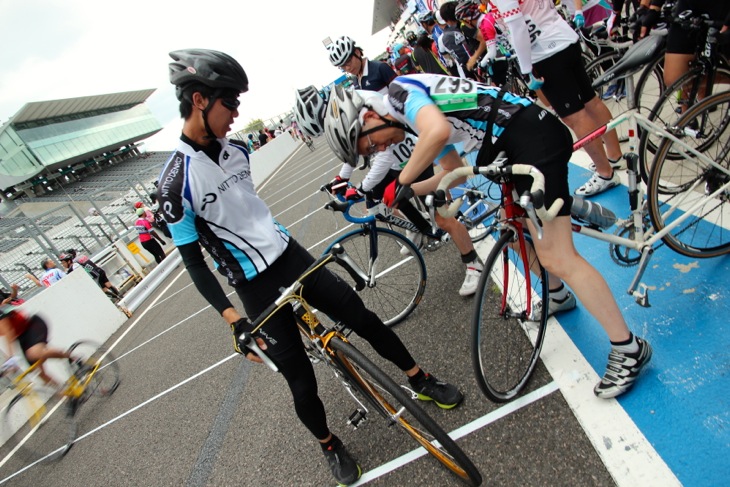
(537, 138)
(37, 332)
(567, 85)
(681, 40)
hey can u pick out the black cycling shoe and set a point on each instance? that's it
(429, 388)
(344, 468)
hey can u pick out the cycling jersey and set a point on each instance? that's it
(549, 33)
(51, 276)
(143, 228)
(453, 42)
(215, 203)
(465, 103)
(393, 158)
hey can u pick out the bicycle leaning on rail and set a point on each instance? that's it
(369, 386)
(40, 423)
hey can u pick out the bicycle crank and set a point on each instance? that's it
(622, 255)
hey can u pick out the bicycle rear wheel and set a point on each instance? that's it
(88, 357)
(676, 184)
(398, 407)
(395, 266)
(40, 428)
(509, 320)
(671, 105)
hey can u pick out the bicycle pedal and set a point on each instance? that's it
(357, 418)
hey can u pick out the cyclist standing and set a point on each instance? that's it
(462, 115)
(209, 199)
(548, 52)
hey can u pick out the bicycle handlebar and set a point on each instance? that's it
(343, 206)
(532, 201)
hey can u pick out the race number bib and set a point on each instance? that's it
(453, 94)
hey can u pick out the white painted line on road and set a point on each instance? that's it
(627, 454)
(460, 432)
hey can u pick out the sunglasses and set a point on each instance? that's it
(372, 148)
(231, 104)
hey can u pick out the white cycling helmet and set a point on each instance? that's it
(341, 50)
(309, 111)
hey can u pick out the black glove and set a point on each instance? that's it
(238, 328)
(338, 180)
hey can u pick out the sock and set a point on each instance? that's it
(416, 378)
(326, 446)
(470, 257)
(628, 346)
(559, 294)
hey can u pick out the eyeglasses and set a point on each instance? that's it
(372, 148)
(231, 104)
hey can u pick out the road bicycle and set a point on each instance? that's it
(392, 267)
(509, 317)
(310, 143)
(371, 388)
(40, 423)
(688, 210)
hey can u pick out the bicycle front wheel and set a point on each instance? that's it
(398, 407)
(40, 428)
(690, 189)
(509, 320)
(90, 361)
(394, 266)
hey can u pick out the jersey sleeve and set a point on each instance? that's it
(511, 13)
(175, 200)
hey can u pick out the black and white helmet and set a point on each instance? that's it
(341, 50)
(309, 111)
(211, 68)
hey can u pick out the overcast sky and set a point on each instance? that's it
(55, 49)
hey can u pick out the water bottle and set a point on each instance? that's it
(592, 213)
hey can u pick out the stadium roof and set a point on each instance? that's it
(41, 110)
(384, 12)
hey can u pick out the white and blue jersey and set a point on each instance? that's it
(465, 103)
(216, 204)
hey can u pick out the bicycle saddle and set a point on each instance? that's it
(634, 60)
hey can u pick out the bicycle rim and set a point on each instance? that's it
(41, 429)
(98, 361)
(507, 333)
(681, 186)
(399, 270)
(671, 105)
(398, 407)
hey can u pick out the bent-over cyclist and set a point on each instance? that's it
(448, 110)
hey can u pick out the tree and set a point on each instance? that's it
(254, 125)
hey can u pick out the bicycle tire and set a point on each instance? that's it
(87, 354)
(668, 109)
(40, 429)
(506, 343)
(398, 407)
(400, 279)
(676, 184)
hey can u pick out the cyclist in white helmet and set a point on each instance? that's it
(489, 120)
(386, 165)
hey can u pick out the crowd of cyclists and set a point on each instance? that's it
(440, 88)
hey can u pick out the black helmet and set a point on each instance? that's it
(411, 37)
(71, 252)
(65, 256)
(210, 68)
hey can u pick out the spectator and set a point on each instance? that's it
(71, 262)
(250, 144)
(146, 234)
(51, 274)
(404, 63)
(425, 59)
(263, 138)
